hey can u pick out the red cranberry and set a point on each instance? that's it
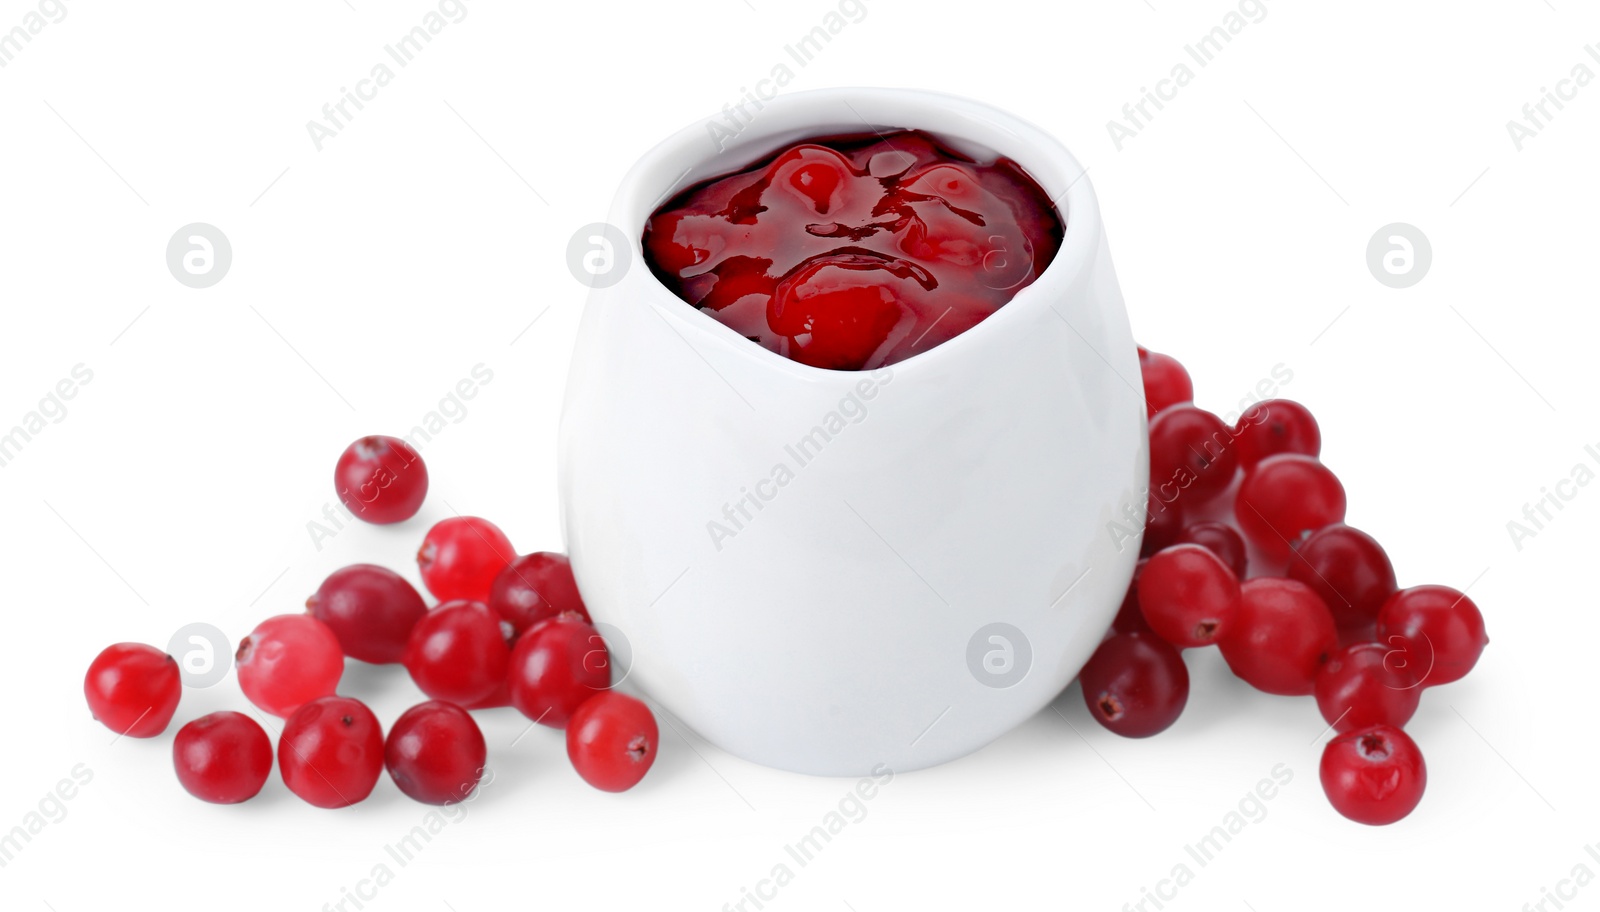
(1285, 498)
(1280, 635)
(1222, 540)
(371, 610)
(1162, 524)
(436, 753)
(288, 661)
(555, 667)
(813, 175)
(1363, 685)
(458, 653)
(133, 689)
(381, 479)
(837, 311)
(1276, 426)
(223, 757)
(1135, 685)
(738, 279)
(611, 741)
(677, 242)
(331, 752)
(1189, 596)
(1440, 628)
(461, 556)
(1373, 775)
(1166, 383)
(534, 587)
(1349, 570)
(817, 179)
(1130, 617)
(1191, 453)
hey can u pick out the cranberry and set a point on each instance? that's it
(839, 310)
(133, 689)
(1166, 383)
(223, 757)
(1189, 596)
(288, 661)
(381, 479)
(1440, 627)
(1130, 617)
(1363, 685)
(435, 753)
(1135, 684)
(461, 556)
(1191, 453)
(370, 609)
(1373, 775)
(611, 741)
(331, 752)
(1349, 570)
(1276, 426)
(813, 174)
(1162, 524)
(1222, 540)
(458, 653)
(557, 665)
(1285, 498)
(534, 587)
(1280, 635)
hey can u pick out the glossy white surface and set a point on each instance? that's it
(806, 600)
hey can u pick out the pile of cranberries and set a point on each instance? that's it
(1318, 614)
(1324, 616)
(507, 631)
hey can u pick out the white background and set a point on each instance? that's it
(369, 277)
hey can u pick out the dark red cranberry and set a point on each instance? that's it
(1130, 617)
(1162, 524)
(371, 610)
(1222, 540)
(1135, 685)
(1349, 570)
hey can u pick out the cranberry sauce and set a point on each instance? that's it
(855, 252)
